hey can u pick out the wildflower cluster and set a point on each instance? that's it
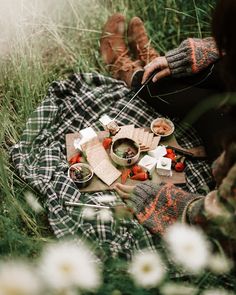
(70, 268)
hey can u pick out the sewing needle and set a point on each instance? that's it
(75, 204)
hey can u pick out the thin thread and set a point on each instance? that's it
(165, 94)
(148, 80)
(129, 101)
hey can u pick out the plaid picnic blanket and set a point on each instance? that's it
(40, 158)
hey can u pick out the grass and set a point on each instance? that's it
(54, 42)
(56, 38)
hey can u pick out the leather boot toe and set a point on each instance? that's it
(139, 42)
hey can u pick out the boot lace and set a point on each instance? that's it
(147, 53)
(125, 64)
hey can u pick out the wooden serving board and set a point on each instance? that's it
(98, 185)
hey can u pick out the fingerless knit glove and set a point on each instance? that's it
(159, 205)
(192, 56)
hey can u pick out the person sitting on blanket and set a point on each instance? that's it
(158, 206)
(186, 75)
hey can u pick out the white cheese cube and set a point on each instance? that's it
(158, 152)
(148, 163)
(105, 120)
(88, 133)
(85, 135)
(163, 166)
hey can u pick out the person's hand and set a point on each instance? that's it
(159, 63)
(124, 190)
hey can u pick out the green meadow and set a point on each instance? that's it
(46, 43)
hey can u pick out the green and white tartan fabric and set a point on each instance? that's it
(40, 157)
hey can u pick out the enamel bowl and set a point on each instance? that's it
(162, 127)
(81, 174)
(125, 151)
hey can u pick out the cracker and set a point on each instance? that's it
(140, 135)
(125, 131)
(90, 143)
(145, 139)
(155, 141)
(149, 140)
(135, 134)
(95, 154)
(98, 146)
(107, 172)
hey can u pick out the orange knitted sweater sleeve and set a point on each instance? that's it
(192, 56)
(157, 206)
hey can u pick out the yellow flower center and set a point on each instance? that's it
(146, 268)
(12, 290)
(66, 268)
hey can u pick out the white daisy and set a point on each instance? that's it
(18, 278)
(216, 292)
(178, 289)
(105, 215)
(66, 264)
(147, 269)
(219, 264)
(89, 213)
(106, 198)
(72, 291)
(188, 246)
(33, 202)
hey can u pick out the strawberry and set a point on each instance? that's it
(137, 169)
(125, 174)
(169, 151)
(140, 176)
(171, 156)
(107, 142)
(179, 167)
(75, 159)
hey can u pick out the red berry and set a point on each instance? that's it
(169, 151)
(179, 167)
(107, 142)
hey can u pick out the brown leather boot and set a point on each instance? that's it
(139, 42)
(114, 51)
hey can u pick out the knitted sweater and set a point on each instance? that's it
(159, 205)
(192, 56)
